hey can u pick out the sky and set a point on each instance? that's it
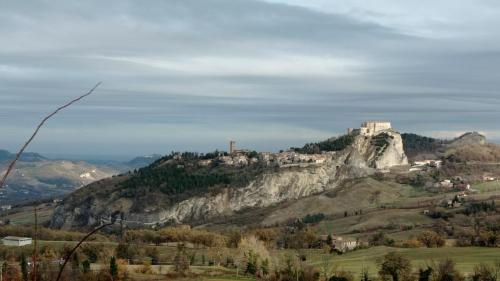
(193, 74)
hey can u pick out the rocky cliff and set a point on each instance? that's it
(96, 202)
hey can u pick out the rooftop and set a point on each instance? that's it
(16, 238)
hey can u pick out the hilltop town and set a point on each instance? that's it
(294, 157)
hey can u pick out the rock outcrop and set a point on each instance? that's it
(364, 156)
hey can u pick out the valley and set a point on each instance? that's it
(37, 178)
(333, 208)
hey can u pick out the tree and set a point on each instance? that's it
(181, 261)
(122, 251)
(365, 275)
(252, 263)
(75, 260)
(431, 239)
(265, 267)
(329, 240)
(113, 267)
(154, 255)
(483, 272)
(251, 250)
(381, 239)
(424, 274)
(446, 271)
(86, 266)
(396, 266)
(24, 267)
(11, 272)
(342, 275)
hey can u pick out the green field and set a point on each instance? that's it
(487, 186)
(466, 258)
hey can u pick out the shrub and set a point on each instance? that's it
(396, 266)
(446, 271)
(431, 239)
(483, 272)
(381, 239)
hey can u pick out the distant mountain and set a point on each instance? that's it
(26, 157)
(36, 177)
(142, 161)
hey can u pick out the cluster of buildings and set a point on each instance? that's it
(292, 158)
(456, 183)
(424, 164)
(243, 157)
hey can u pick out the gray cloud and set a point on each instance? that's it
(192, 74)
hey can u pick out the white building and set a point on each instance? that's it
(5, 207)
(16, 241)
(372, 128)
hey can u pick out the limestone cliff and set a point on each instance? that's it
(364, 156)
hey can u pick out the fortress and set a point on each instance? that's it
(370, 128)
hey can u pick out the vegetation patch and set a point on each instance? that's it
(333, 144)
(182, 177)
(414, 145)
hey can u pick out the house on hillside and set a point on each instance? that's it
(340, 244)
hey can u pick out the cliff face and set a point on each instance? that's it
(367, 154)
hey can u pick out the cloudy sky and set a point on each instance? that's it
(192, 74)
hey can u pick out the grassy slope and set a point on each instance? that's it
(365, 194)
(465, 258)
(25, 215)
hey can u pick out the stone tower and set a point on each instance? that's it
(232, 146)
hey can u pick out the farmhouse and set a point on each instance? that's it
(339, 244)
(16, 241)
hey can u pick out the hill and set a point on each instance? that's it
(6, 156)
(196, 188)
(36, 177)
(470, 146)
(350, 175)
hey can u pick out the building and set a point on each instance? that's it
(371, 128)
(232, 147)
(339, 244)
(16, 241)
(430, 163)
(5, 207)
(205, 162)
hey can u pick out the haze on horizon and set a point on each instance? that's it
(190, 75)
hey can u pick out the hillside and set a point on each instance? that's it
(49, 178)
(420, 147)
(328, 177)
(195, 188)
(468, 147)
(36, 177)
(6, 156)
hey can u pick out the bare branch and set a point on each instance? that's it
(68, 256)
(18, 155)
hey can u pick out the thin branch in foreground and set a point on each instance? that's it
(18, 155)
(68, 256)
